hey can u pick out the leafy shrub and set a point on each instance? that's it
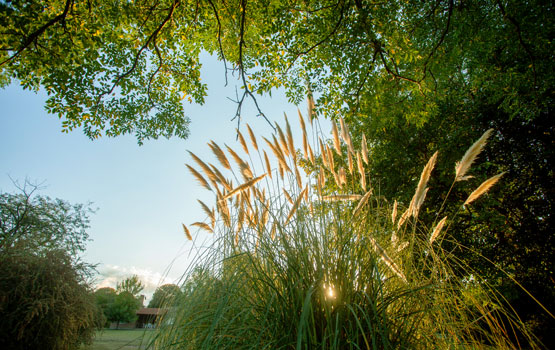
(44, 302)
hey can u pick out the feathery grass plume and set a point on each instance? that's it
(301, 120)
(290, 143)
(277, 153)
(350, 143)
(311, 113)
(265, 213)
(220, 155)
(419, 202)
(421, 189)
(343, 129)
(199, 177)
(280, 154)
(321, 179)
(346, 135)
(298, 177)
(462, 167)
(336, 178)
(310, 154)
(305, 138)
(342, 197)
(208, 212)
(273, 231)
(364, 149)
(287, 196)
(260, 195)
(402, 246)
(437, 230)
(240, 218)
(203, 226)
(268, 167)
(394, 212)
(295, 205)
(350, 162)
(243, 166)
(323, 153)
(223, 209)
(244, 186)
(246, 172)
(362, 203)
(242, 141)
(282, 140)
(187, 233)
(330, 157)
(483, 188)
(394, 238)
(221, 178)
(342, 176)
(404, 218)
(386, 259)
(360, 166)
(252, 137)
(336, 141)
(206, 169)
(363, 182)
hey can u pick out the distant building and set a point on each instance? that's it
(148, 317)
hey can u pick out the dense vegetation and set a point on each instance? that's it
(165, 295)
(120, 305)
(45, 298)
(408, 78)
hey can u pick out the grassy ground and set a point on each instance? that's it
(124, 339)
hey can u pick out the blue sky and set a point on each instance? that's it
(143, 193)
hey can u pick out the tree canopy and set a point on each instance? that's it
(116, 67)
(164, 295)
(120, 304)
(124, 308)
(33, 222)
(131, 285)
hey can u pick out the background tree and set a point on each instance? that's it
(164, 294)
(32, 222)
(124, 308)
(131, 285)
(45, 297)
(44, 302)
(105, 297)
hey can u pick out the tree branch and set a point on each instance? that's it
(241, 67)
(138, 55)
(31, 38)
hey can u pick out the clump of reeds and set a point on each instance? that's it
(308, 258)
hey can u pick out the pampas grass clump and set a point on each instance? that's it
(309, 258)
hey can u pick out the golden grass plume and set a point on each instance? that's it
(483, 188)
(462, 167)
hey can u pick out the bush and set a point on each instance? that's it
(44, 302)
(295, 267)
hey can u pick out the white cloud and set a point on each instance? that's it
(110, 275)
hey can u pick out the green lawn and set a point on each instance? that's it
(124, 339)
